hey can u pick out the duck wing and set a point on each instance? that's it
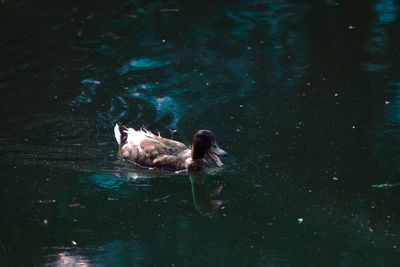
(146, 149)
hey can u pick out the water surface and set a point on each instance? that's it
(304, 95)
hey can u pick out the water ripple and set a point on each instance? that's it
(118, 108)
(88, 91)
(167, 108)
(142, 64)
(386, 11)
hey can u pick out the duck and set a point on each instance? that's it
(146, 149)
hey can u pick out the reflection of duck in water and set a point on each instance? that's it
(149, 150)
(203, 196)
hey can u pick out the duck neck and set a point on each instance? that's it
(197, 164)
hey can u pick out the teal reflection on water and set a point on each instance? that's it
(142, 64)
(89, 91)
(105, 181)
(386, 10)
(393, 106)
(304, 95)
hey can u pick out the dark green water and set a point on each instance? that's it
(304, 95)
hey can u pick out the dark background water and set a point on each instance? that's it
(304, 95)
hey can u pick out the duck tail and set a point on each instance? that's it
(120, 133)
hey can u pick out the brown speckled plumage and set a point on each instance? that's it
(149, 150)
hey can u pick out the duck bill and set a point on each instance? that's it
(216, 151)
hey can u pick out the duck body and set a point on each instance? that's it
(146, 149)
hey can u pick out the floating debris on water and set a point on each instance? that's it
(169, 10)
(47, 201)
(300, 220)
(383, 186)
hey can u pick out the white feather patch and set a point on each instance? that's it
(136, 137)
(117, 134)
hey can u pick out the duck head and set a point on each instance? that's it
(204, 143)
